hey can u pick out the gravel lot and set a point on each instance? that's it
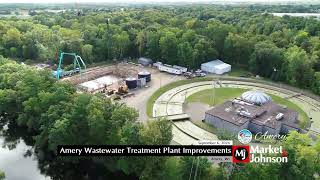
(141, 96)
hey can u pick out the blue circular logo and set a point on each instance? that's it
(245, 136)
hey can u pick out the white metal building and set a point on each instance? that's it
(216, 66)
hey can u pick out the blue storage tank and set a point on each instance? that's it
(131, 83)
(145, 74)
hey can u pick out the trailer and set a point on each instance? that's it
(157, 64)
(183, 69)
(170, 69)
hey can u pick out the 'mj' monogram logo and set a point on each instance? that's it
(240, 154)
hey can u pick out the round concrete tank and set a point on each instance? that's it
(131, 83)
(145, 74)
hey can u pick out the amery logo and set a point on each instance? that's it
(240, 154)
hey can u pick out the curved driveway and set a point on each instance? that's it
(185, 132)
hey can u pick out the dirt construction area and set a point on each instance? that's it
(141, 96)
(124, 70)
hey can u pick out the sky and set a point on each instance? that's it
(142, 1)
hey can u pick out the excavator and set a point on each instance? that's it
(122, 90)
(78, 65)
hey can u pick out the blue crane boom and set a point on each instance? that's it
(78, 65)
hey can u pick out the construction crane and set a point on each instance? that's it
(78, 65)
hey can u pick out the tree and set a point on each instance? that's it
(303, 157)
(266, 60)
(153, 46)
(2, 176)
(303, 161)
(203, 51)
(194, 167)
(316, 83)
(86, 52)
(185, 55)
(120, 44)
(218, 32)
(12, 38)
(299, 67)
(168, 45)
(157, 132)
(237, 49)
(141, 42)
(302, 40)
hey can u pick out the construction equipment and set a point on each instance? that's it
(123, 89)
(189, 75)
(78, 66)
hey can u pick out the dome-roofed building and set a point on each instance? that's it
(254, 111)
(256, 97)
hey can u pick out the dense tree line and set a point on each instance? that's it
(281, 48)
(55, 114)
(48, 113)
(303, 161)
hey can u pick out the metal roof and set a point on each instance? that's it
(256, 97)
(213, 63)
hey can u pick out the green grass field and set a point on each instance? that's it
(223, 94)
(239, 72)
(215, 95)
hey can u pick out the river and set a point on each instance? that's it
(317, 15)
(17, 165)
(19, 162)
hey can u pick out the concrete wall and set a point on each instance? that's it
(285, 129)
(219, 123)
(271, 130)
(255, 128)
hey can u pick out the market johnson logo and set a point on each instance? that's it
(258, 154)
(268, 154)
(240, 154)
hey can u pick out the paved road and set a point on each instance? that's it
(171, 103)
(141, 96)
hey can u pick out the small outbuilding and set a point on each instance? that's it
(145, 61)
(216, 67)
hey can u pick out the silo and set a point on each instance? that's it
(131, 83)
(145, 74)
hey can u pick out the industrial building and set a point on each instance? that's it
(216, 67)
(255, 111)
(145, 61)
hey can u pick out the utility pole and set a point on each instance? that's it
(109, 37)
(213, 92)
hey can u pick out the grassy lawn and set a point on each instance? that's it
(220, 95)
(223, 94)
(239, 72)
